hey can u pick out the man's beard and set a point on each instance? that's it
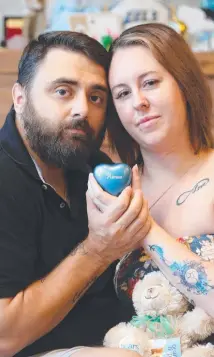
(53, 147)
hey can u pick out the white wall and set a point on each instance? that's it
(187, 2)
(10, 8)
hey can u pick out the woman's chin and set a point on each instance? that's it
(153, 142)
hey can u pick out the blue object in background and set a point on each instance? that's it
(59, 17)
(61, 10)
(113, 178)
(207, 4)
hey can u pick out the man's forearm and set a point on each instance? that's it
(40, 307)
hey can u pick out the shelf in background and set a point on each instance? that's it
(9, 60)
(206, 60)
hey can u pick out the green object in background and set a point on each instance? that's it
(106, 41)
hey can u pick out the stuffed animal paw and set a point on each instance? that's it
(200, 351)
(129, 337)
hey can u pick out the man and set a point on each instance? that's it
(56, 288)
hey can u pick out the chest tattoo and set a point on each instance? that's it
(198, 186)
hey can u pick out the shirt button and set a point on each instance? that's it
(45, 187)
(62, 205)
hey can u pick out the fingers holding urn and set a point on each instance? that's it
(100, 198)
(141, 222)
(134, 209)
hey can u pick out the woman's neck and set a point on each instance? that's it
(169, 164)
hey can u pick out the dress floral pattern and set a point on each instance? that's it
(135, 265)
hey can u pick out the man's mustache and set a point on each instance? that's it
(81, 124)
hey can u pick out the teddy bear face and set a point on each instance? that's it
(154, 296)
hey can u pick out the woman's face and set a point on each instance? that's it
(147, 98)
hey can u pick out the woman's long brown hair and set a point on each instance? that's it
(174, 54)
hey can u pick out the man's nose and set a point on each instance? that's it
(79, 106)
(140, 101)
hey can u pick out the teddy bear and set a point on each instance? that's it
(162, 313)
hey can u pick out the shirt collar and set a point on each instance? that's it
(12, 144)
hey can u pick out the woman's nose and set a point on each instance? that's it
(140, 101)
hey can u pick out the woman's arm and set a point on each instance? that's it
(183, 268)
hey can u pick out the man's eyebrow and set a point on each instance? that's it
(63, 80)
(100, 87)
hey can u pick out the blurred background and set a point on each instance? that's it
(23, 20)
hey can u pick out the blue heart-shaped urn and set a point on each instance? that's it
(113, 178)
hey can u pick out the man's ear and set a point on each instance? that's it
(19, 97)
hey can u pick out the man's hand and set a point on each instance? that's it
(117, 225)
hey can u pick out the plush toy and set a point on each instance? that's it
(162, 317)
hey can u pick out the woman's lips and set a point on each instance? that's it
(147, 119)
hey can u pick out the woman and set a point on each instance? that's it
(164, 124)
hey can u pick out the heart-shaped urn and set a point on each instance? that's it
(113, 178)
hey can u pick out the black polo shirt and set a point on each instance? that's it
(37, 231)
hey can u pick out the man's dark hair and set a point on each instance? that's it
(37, 49)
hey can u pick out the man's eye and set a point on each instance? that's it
(96, 99)
(62, 92)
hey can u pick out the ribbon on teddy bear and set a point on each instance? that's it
(151, 323)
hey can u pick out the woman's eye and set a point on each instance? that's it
(122, 94)
(150, 83)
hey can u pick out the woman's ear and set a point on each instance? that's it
(19, 97)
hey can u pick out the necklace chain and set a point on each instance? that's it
(168, 188)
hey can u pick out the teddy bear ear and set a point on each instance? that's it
(138, 286)
(154, 278)
(137, 292)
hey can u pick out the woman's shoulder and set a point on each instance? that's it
(206, 168)
(209, 157)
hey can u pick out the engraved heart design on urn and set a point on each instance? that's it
(113, 178)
